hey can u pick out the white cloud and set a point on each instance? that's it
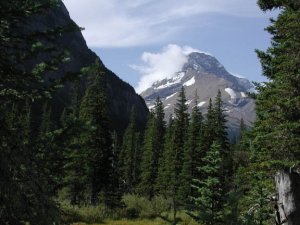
(161, 65)
(114, 23)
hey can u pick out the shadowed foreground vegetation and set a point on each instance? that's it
(135, 210)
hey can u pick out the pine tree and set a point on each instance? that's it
(278, 112)
(94, 110)
(49, 151)
(165, 167)
(209, 203)
(220, 128)
(76, 168)
(208, 127)
(46, 121)
(181, 123)
(241, 156)
(75, 130)
(152, 149)
(130, 155)
(172, 161)
(242, 129)
(193, 154)
(221, 137)
(274, 140)
(23, 188)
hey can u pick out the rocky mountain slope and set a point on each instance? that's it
(122, 96)
(204, 74)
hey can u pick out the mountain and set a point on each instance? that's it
(121, 95)
(204, 74)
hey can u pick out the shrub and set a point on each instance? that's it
(160, 205)
(137, 206)
(86, 214)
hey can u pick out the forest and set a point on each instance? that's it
(64, 161)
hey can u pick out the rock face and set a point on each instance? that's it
(288, 197)
(206, 75)
(122, 96)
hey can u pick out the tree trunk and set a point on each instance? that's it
(288, 197)
(174, 211)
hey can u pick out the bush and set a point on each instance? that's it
(86, 214)
(137, 206)
(160, 205)
(187, 220)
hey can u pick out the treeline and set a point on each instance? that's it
(46, 158)
(185, 160)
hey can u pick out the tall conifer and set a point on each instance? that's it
(172, 162)
(130, 155)
(165, 168)
(94, 110)
(192, 155)
(208, 203)
(152, 149)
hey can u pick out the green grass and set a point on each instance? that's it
(184, 220)
(129, 222)
(137, 211)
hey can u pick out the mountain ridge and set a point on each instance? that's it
(204, 74)
(122, 95)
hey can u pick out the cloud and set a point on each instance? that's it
(126, 23)
(161, 65)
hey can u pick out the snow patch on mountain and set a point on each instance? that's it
(188, 102)
(243, 94)
(190, 82)
(168, 84)
(201, 104)
(167, 106)
(231, 93)
(173, 80)
(195, 66)
(151, 107)
(170, 96)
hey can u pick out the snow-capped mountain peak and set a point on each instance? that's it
(206, 75)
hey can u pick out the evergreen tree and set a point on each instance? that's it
(209, 203)
(50, 151)
(181, 123)
(165, 168)
(220, 132)
(242, 129)
(75, 131)
(172, 161)
(208, 127)
(46, 121)
(277, 127)
(94, 110)
(274, 140)
(23, 188)
(241, 156)
(152, 149)
(220, 128)
(193, 155)
(130, 155)
(76, 168)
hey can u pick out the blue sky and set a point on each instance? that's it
(142, 40)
